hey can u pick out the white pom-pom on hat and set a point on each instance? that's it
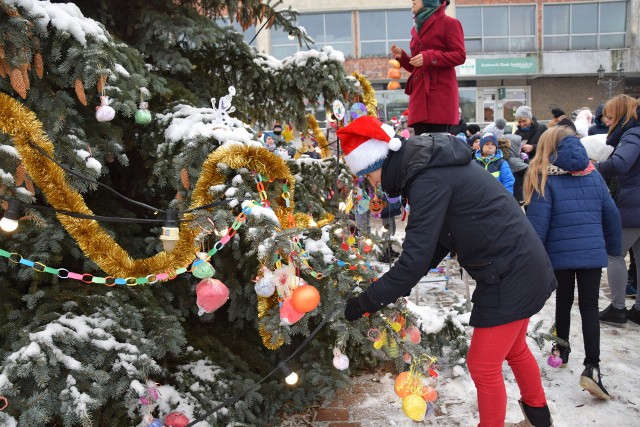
(395, 144)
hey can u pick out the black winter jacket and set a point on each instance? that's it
(457, 206)
(532, 135)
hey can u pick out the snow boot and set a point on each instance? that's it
(633, 314)
(612, 315)
(591, 381)
(562, 352)
(533, 417)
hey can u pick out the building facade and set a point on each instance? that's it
(543, 53)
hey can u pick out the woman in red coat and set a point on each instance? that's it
(437, 46)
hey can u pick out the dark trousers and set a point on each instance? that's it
(588, 288)
(420, 128)
(517, 185)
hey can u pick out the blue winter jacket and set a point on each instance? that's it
(624, 165)
(498, 166)
(577, 220)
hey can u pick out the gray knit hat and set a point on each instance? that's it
(501, 123)
(524, 112)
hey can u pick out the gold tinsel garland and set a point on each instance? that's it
(312, 123)
(368, 95)
(23, 126)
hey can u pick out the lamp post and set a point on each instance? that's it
(610, 83)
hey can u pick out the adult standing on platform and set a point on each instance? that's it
(437, 46)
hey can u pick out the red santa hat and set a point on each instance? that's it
(365, 143)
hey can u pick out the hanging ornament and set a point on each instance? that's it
(428, 393)
(143, 115)
(392, 348)
(338, 110)
(376, 205)
(340, 361)
(411, 333)
(265, 285)
(203, 270)
(414, 407)
(156, 423)
(104, 112)
(305, 298)
(554, 360)
(357, 110)
(288, 314)
(211, 295)
(150, 395)
(406, 383)
(176, 419)
(394, 73)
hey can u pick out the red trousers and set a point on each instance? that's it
(489, 348)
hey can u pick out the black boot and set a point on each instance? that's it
(537, 417)
(613, 315)
(633, 314)
(591, 381)
(563, 353)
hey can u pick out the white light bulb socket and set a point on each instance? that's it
(9, 221)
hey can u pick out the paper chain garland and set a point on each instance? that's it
(22, 125)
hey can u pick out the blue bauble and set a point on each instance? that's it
(156, 423)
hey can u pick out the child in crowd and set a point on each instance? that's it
(570, 208)
(269, 141)
(490, 157)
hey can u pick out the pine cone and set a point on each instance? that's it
(38, 64)
(102, 80)
(24, 69)
(4, 69)
(17, 83)
(21, 173)
(2, 52)
(184, 178)
(29, 184)
(82, 97)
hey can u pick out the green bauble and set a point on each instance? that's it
(143, 117)
(203, 270)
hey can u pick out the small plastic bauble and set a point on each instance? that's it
(156, 423)
(143, 116)
(211, 295)
(377, 344)
(393, 85)
(429, 394)
(405, 382)
(288, 314)
(554, 361)
(396, 326)
(345, 246)
(150, 396)
(412, 334)
(176, 419)
(351, 240)
(265, 286)
(203, 270)
(394, 63)
(414, 407)
(305, 298)
(393, 73)
(341, 362)
(406, 358)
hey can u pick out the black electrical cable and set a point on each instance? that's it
(256, 386)
(78, 175)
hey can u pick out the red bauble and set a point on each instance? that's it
(305, 298)
(176, 419)
(211, 295)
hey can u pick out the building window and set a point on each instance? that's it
(498, 28)
(582, 26)
(380, 29)
(326, 29)
(249, 35)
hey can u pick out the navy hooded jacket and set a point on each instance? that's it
(457, 206)
(577, 220)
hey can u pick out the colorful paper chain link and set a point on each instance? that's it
(150, 279)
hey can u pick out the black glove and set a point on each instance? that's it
(352, 310)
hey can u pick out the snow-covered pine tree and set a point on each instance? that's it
(84, 354)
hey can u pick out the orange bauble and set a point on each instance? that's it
(393, 85)
(429, 393)
(404, 384)
(394, 63)
(305, 298)
(393, 73)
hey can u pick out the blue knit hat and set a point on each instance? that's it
(488, 137)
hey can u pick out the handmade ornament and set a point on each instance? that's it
(143, 115)
(104, 112)
(150, 395)
(305, 298)
(265, 286)
(338, 110)
(554, 360)
(393, 85)
(340, 361)
(406, 383)
(392, 348)
(412, 334)
(211, 295)
(376, 205)
(156, 423)
(203, 270)
(428, 393)
(358, 109)
(176, 419)
(288, 314)
(414, 407)
(394, 73)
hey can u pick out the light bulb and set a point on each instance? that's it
(170, 231)
(9, 221)
(292, 378)
(291, 36)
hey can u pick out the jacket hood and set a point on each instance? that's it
(422, 152)
(571, 156)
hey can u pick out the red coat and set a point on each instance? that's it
(433, 88)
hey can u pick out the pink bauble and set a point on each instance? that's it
(288, 314)
(211, 295)
(412, 334)
(554, 361)
(176, 419)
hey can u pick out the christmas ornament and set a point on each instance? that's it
(405, 383)
(288, 314)
(412, 334)
(143, 115)
(554, 360)
(104, 112)
(376, 205)
(357, 110)
(155, 423)
(265, 285)
(393, 85)
(211, 295)
(338, 110)
(394, 63)
(203, 270)
(414, 407)
(340, 361)
(150, 395)
(407, 358)
(176, 419)
(394, 73)
(305, 298)
(429, 394)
